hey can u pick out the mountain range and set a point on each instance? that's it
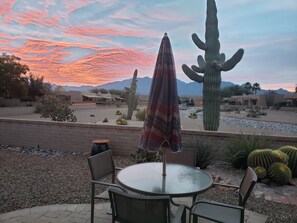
(144, 84)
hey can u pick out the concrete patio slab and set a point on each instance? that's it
(80, 213)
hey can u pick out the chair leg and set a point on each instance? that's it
(195, 218)
(184, 217)
(92, 203)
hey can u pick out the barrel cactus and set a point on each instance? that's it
(261, 157)
(211, 66)
(279, 173)
(261, 172)
(131, 99)
(291, 151)
(280, 156)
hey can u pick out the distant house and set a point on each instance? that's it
(256, 100)
(98, 98)
(249, 100)
(73, 96)
(291, 99)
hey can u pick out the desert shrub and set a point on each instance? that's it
(203, 151)
(121, 121)
(193, 115)
(141, 114)
(118, 112)
(38, 108)
(105, 120)
(56, 107)
(240, 147)
(142, 156)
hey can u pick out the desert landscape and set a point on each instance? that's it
(274, 123)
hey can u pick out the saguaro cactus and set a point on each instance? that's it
(131, 98)
(212, 66)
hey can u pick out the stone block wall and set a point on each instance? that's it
(78, 137)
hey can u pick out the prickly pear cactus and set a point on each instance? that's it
(131, 99)
(291, 151)
(211, 66)
(279, 173)
(260, 157)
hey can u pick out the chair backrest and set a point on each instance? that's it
(134, 208)
(186, 157)
(246, 186)
(101, 165)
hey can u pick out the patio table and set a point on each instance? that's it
(180, 180)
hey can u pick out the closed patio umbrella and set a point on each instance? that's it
(161, 127)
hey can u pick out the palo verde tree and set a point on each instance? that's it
(13, 80)
(211, 65)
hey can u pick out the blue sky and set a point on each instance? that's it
(91, 42)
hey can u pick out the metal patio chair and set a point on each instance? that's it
(143, 209)
(102, 168)
(222, 212)
(186, 157)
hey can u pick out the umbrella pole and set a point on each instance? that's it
(164, 161)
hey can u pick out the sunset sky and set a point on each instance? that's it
(92, 42)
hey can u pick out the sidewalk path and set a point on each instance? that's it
(80, 213)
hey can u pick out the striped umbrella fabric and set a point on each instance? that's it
(162, 125)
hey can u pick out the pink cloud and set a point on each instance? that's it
(87, 31)
(73, 5)
(6, 6)
(36, 17)
(106, 64)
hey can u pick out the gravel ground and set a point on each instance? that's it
(36, 179)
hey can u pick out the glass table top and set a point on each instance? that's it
(180, 180)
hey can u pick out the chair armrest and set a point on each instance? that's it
(176, 204)
(108, 185)
(180, 216)
(217, 204)
(118, 168)
(225, 185)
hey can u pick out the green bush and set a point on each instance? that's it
(141, 114)
(121, 121)
(240, 147)
(143, 156)
(38, 108)
(193, 115)
(105, 120)
(203, 151)
(56, 107)
(118, 112)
